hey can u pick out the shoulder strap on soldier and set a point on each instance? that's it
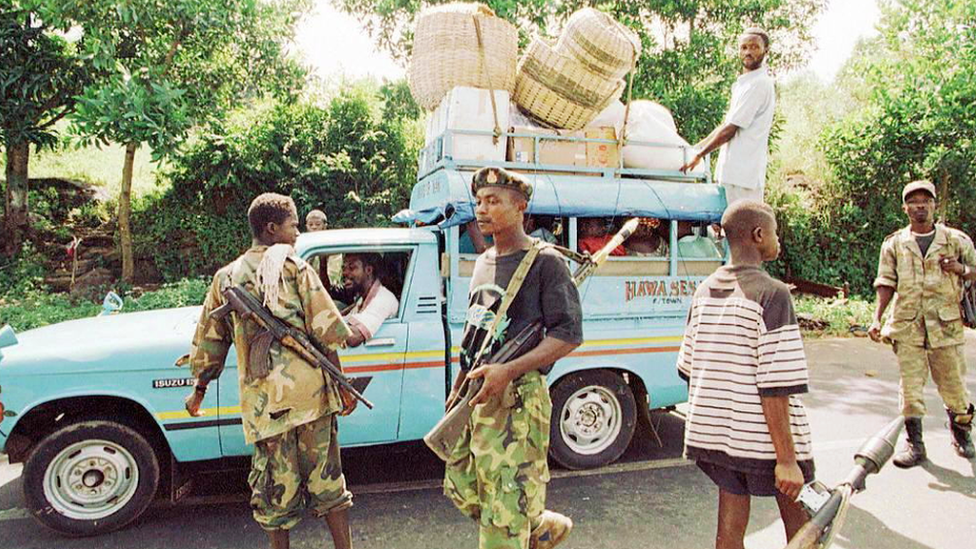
(514, 285)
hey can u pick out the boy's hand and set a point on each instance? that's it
(789, 479)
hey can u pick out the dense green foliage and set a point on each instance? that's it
(40, 74)
(168, 66)
(918, 121)
(354, 158)
(27, 305)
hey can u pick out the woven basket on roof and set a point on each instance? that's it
(600, 43)
(446, 53)
(560, 91)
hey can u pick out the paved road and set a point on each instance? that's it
(650, 499)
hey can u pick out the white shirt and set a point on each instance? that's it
(368, 314)
(742, 161)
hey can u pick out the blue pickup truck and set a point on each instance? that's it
(94, 407)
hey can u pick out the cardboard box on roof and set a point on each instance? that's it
(559, 152)
(603, 155)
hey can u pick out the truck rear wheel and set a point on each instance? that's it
(593, 420)
(90, 477)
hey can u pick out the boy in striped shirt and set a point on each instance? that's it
(743, 358)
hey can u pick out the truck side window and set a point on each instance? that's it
(390, 268)
(694, 242)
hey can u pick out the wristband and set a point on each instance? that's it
(965, 271)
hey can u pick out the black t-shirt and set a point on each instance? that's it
(924, 242)
(547, 293)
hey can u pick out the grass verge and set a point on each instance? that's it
(34, 309)
(839, 314)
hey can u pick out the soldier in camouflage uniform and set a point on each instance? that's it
(497, 473)
(289, 414)
(923, 267)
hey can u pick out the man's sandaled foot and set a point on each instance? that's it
(552, 531)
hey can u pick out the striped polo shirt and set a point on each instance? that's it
(742, 342)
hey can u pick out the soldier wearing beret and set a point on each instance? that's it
(497, 473)
(923, 267)
(289, 412)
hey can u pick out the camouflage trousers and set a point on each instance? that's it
(298, 471)
(948, 368)
(497, 473)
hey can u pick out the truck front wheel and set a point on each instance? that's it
(90, 477)
(593, 419)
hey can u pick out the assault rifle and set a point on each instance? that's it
(444, 436)
(829, 508)
(240, 301)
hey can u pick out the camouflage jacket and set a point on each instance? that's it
(926, 303)
(294, 393)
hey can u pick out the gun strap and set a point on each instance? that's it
(514, 285)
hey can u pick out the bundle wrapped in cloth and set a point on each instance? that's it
(461, 44)
(652, 124)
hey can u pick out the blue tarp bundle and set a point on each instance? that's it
(444, 198)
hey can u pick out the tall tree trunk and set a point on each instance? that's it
(125, 210)
(16, 222)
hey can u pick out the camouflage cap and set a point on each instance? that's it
(500, 177)
(921, 185)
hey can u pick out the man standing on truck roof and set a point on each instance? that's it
(744, 136)
(497, 473)
(289, 410)
(926, 265)
(743, 358)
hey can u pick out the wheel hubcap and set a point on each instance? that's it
(590, 420)
(91, 480)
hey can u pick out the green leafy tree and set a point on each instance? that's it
(170, 67)
(354, 157)
(688, 61)
(40, 73)
(916, 89)
(920, 121)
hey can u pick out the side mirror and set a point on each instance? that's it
(111, 304)
(7, 336)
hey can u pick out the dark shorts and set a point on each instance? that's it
(747, 484)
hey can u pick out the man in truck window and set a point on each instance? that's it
(497, 473)
(372, 301)
(288, 409)
(744, 137)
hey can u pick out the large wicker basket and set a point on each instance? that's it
(446, 52)
(559, 90)
(600, 43)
